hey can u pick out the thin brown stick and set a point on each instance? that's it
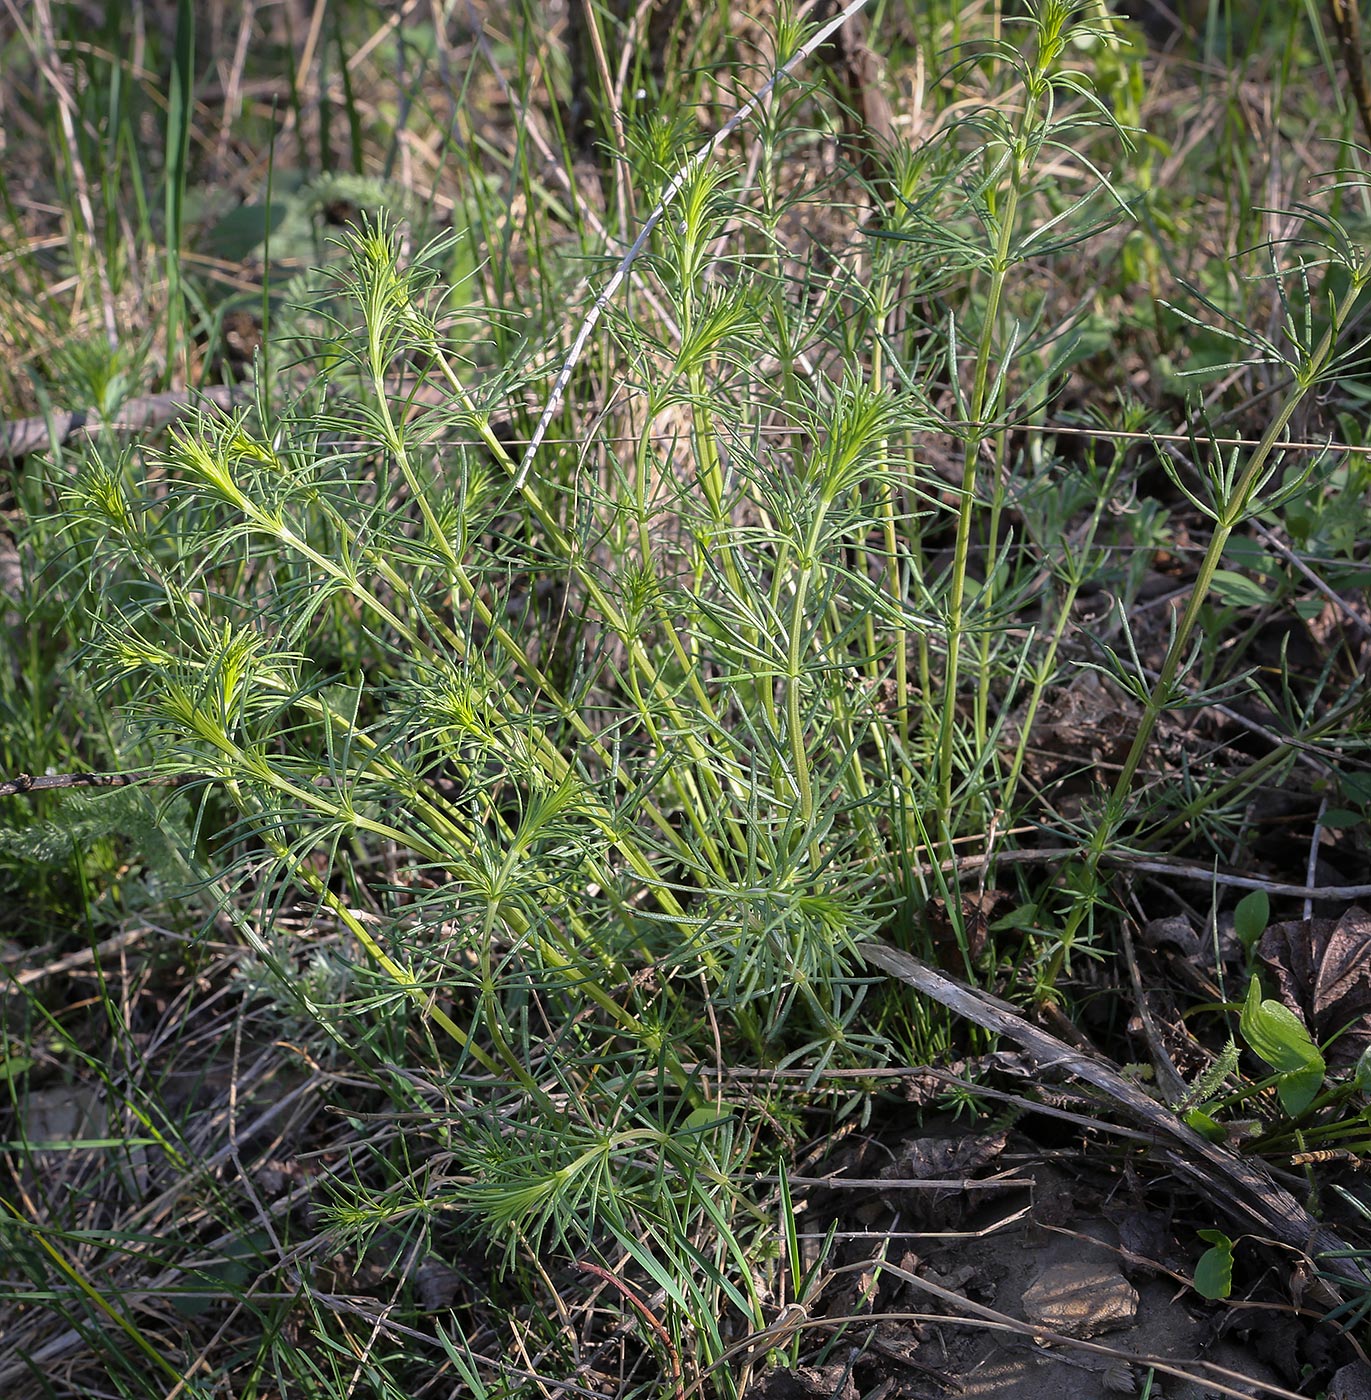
(1205, 1373)
(1238, 1186)
(79, 958)
(233, 81)
(1294, 560)
(26, 783)
(1169, 1079)
(25, 435)
(1003, 1181)
(1122, 435)
(1137, 860)
(1347, 21)
(648, 1316)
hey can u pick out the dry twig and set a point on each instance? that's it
(25, 435)
(1241, 1188)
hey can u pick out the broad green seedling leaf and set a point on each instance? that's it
(706, 1117)
(1276, 1034)
(1361, 1075)
(1251, 916)
(1206, 1125)
(1214, 1271)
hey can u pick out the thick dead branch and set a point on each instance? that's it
(1238, 1186)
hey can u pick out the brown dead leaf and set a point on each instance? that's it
(1177, 932)
(805, 1383)
(938, 1159)
(979, 911)
(1322, 970)
(1345, 622)
(944, 1158)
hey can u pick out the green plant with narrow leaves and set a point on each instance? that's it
(534, 792)
(668, 780)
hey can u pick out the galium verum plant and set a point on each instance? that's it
(327, 614)
(345, 619)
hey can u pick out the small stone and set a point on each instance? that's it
(1081, 1299)
(1176, 932)
(1353, 1382)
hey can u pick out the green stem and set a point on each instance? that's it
(1075, 577)
(956, 619)
(1228, 515)
(702, 758)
